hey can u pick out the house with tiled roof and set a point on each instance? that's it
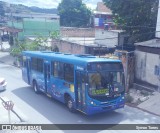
(103, 17)
(102, 8)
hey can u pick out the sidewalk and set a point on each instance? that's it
(6, 58)
(5, 47)
(4, 114)
(144, 100)
(152, 104)
(16, 117)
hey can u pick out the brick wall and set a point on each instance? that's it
(68, 47)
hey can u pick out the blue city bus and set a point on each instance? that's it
(82, 82)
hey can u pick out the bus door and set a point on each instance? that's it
(80, 91)
(47, 77)
(28, 69)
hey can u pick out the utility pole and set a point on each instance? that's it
(127, 76)
(158, 76)
(0, 40)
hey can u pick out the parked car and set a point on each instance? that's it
(3, 84)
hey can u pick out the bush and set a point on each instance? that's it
(128, 98)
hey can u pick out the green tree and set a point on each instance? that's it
(39, 43)
(137, 17)
(22, 46)
(74, 13)
(55, 36)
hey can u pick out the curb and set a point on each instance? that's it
(11, 61)
(9, 64)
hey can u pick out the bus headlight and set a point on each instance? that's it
(92, 102)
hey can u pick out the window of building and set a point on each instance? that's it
(157, 70)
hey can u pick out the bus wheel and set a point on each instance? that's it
(70, 104)
(35, 87)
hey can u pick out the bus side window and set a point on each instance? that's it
(69, 72)
(40, 65)
(55, 69)
(37, 64)
(61, 70)
(58, 69)
(24, 63)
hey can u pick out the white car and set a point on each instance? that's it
(3, 84)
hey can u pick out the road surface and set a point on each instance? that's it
(40, 109)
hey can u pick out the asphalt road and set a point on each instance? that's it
(39, 109)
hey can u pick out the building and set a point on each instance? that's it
(90, 40)
(77, 32)
(103, 17)
(147, 65)
(106, 33)
(33, 24)
(158, 23)
(79, 45)
(108, 38)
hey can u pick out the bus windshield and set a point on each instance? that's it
(106, 83)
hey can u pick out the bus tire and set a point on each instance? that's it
(35, 87)
(70, 104)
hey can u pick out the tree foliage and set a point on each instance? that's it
(74, 13)
(39, 43)
(137, 17)
(23, 46)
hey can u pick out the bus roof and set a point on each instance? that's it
(70, 58)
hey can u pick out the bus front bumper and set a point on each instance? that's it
(98, 109)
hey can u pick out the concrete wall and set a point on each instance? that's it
(158, 22)
(33, 27)
(145, 67)
(102, 35)
(77, 32)
(68, 47)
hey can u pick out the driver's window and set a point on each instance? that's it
(95, 80)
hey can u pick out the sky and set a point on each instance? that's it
(49, 3)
